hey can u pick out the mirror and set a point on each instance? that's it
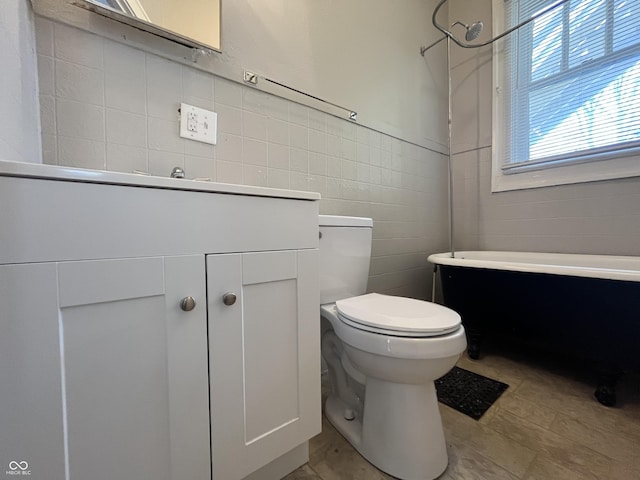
(195, 23)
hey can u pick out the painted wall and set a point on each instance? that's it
(110, 106)
(19, 118)
(360, 54)
(596, 217)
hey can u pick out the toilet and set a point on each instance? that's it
(382, 355)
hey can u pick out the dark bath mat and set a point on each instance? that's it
(468, 392)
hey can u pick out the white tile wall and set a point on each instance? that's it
(591, 218)
(108, 106)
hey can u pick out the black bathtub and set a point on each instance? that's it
(582, 306)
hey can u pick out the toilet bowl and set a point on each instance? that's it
(383, 354)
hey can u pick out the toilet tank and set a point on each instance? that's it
(345, 254)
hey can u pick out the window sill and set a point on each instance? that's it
(614, 168)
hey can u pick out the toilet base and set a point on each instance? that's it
(335, 409)
(401, 432)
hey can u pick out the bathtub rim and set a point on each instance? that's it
(605, 267)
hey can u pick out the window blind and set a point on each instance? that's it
(571, 83)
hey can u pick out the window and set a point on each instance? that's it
(567, 96)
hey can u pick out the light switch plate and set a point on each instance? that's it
(198, 124)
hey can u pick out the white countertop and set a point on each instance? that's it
(69, 174)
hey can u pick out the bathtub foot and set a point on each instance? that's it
(473, 345)
(606, 395)
(473, 351)
(606, 391)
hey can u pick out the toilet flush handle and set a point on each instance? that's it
(229, 299)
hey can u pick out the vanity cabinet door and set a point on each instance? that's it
(264, 354)
(31, 415)
(123, 364)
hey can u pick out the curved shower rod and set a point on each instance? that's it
(475, 28)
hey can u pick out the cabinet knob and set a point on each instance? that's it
(229, 298)
(188, 303)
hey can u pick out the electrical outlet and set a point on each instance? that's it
(198, 124)
(192, 122)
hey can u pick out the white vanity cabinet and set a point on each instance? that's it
(262, 402)
(101, 350)
(108, 369)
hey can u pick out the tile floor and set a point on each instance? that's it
(546, 426)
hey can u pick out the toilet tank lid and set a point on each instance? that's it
(341, 221)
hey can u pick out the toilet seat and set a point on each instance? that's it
(397, 316)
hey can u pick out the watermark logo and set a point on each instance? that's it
(18, 468)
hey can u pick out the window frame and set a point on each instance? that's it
(599, 166)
